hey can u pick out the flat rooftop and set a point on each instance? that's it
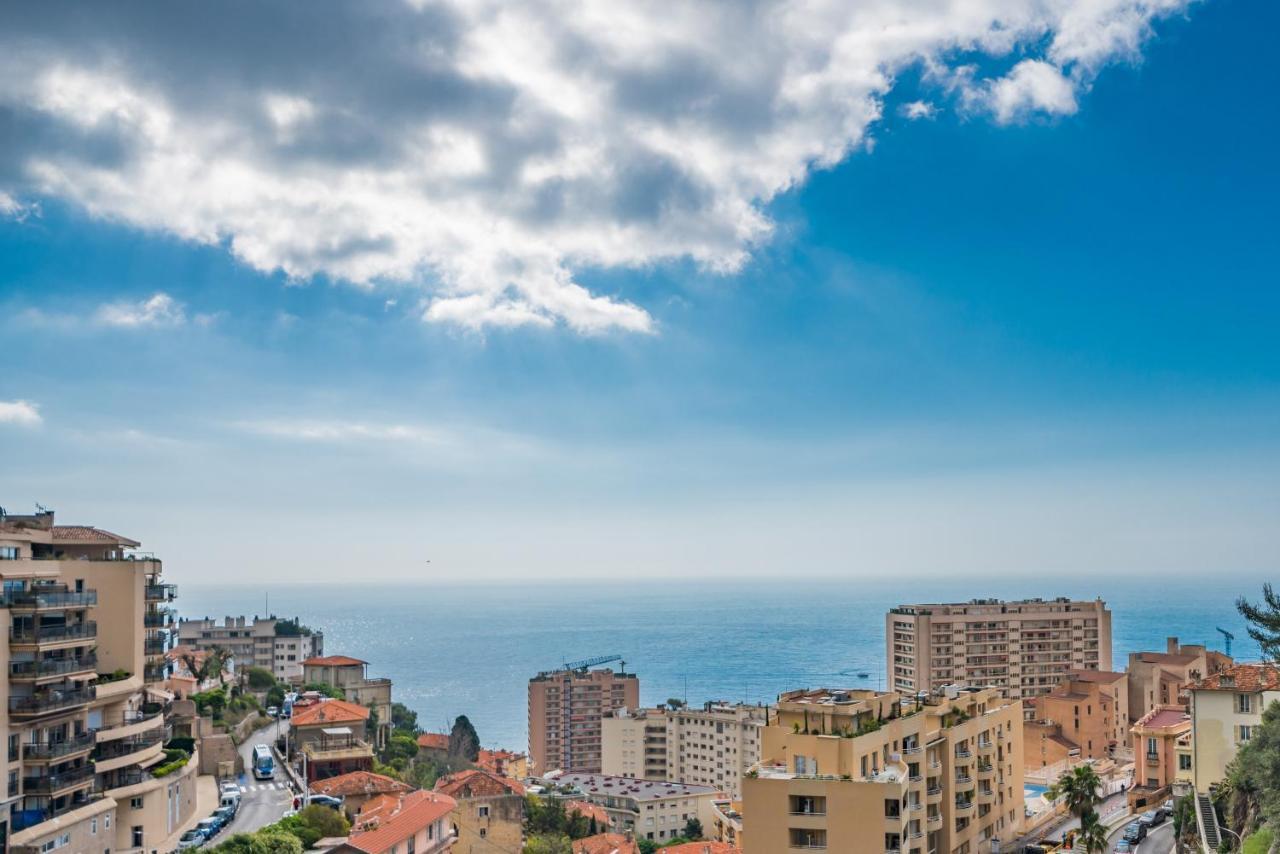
(628, 787)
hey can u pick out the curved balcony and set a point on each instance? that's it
(155, 645)
(53, 784)
(986, 748)
(987, 797)
(986, 772)
(49, 751)
(48, 702)
(933, 795)
(934, 821)
(158, 619)
(132, 750)
(149, 717)
(963, 807)
(40, 637)
(52, 668)
(161, 592)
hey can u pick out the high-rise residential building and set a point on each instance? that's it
(88, 710)
(1024, 648)
(280, 646)
(863, 770)
(566, 708)
(713, 745)
(1161, 678)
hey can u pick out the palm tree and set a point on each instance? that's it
(1093, 835)
(1079, 790)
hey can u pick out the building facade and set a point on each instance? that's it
(566, 710)
(713, 745)
(1084, 717)
(279, 646)
(332, 737)
(1162, 678)
(87, 627)
(349, 674)
(490, 812)
(651, 809)
(869, 771)
(1156, 739)
(1024, 647)
(412, 823)
(1225, 710)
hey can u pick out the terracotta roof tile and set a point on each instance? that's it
(89, 534)
(358, 783)
(393, 820)
(589, 811)
(1243, 678)
(433, 741)
(700, 848)
(605, 843)
(333, 661)
(477, 783)
(329, 712)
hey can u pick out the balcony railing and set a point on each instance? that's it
(50, 701)
(125, 746)
(87, 630)
(27, 670)
(158, 619)
(155, 646)
(146, 713)
(161, 592)
(23, 819)
(57, 782)
(51, 596)
(43, 751)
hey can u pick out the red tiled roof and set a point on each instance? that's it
(477, 783)
(333, 661)
(329, 712)
(589, 811)
(89, 534)
(605, 843)
(390, 821)
(1162, 718)
(434, 741)
(1103, 676)
(1244, 678)
(358, 783)
(700, 848)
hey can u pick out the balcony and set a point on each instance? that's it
(33, 671)
(161, 592)
(47, 702)
(50, 597)
(127, 746)
(51, 784)
(1153, 759)
(23, 819)
(934, 820)
(158, 619)
(155, 646)
(964, 807)
(49, 635)
(50, 750)
(964, 754)
(154, 673)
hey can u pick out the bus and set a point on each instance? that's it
(264, 766)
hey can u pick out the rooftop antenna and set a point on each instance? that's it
(40, 508)
(1228, 637)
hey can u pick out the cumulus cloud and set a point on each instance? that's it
(918, 110)
(23, 413)
(491, 151)
(160, 309)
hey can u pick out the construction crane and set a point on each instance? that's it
(1229, 638)
(592, 662)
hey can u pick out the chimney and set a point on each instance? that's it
(1171, 646)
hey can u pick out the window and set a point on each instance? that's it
(1152, 751)
(409, 845)
(1246, 732)
(483, 811)
(1244, 703)
(93, 824)
(1184, 762)
(106, 821)
(8, 552)
(136, 804)
(137, 836)
(57, 842)
(13, 784)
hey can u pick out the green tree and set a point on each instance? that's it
(1093, 834)
(548, 844)
(242, 843)
(1264, 621)
(278, 842)
(404, 719)
(647, 846)
(1185, 833)
(693, 829)
(464, 743)
(545, 816)
(260, 678)
(275, 696)
(1251, 791)
(328, 821)
(1078, 788)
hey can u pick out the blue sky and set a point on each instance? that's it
(979, 342)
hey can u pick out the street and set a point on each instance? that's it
(262, 802)
(1158, 841)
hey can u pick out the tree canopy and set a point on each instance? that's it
(464, 743)
(1264, 621)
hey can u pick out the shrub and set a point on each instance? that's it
(174, 761)
(260, 678)
(185, 743)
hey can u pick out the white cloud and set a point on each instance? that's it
(160, 309)
(488, 151)
(24, 413)
(1032, 86)
(918, 110)
(345, 431)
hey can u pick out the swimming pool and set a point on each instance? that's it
(1031, 790)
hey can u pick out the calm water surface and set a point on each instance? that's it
(471, 649)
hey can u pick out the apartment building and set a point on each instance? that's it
(350, 674)
(868, 771)
(1162, 678)
(1156, 740)
(651, 809)
(1225, 710)
(88, 709)
(1024, 647)
(566, 710)
(490, 812)
(417, 822)
(713, 745)
(280, 646)
(1086, 716)
(332, 737)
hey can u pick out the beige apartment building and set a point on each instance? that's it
(280, 646)
(865, 771)
(1162, 678)
(709, 746)
(651, 809)
(88, 710)
(350, 674)
(566, 710)
(1226, 708)
(1086, 716)
(1023, 647)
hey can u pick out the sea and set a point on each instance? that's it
(471, 649)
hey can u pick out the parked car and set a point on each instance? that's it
(193, 838)
(1124, 846)
(229, 787)
(1135, 831)
(231, 800)
(1151, 818)
(327, 801)
(226, 814)
(209, 827)
(1167, 806)
(273, 711)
